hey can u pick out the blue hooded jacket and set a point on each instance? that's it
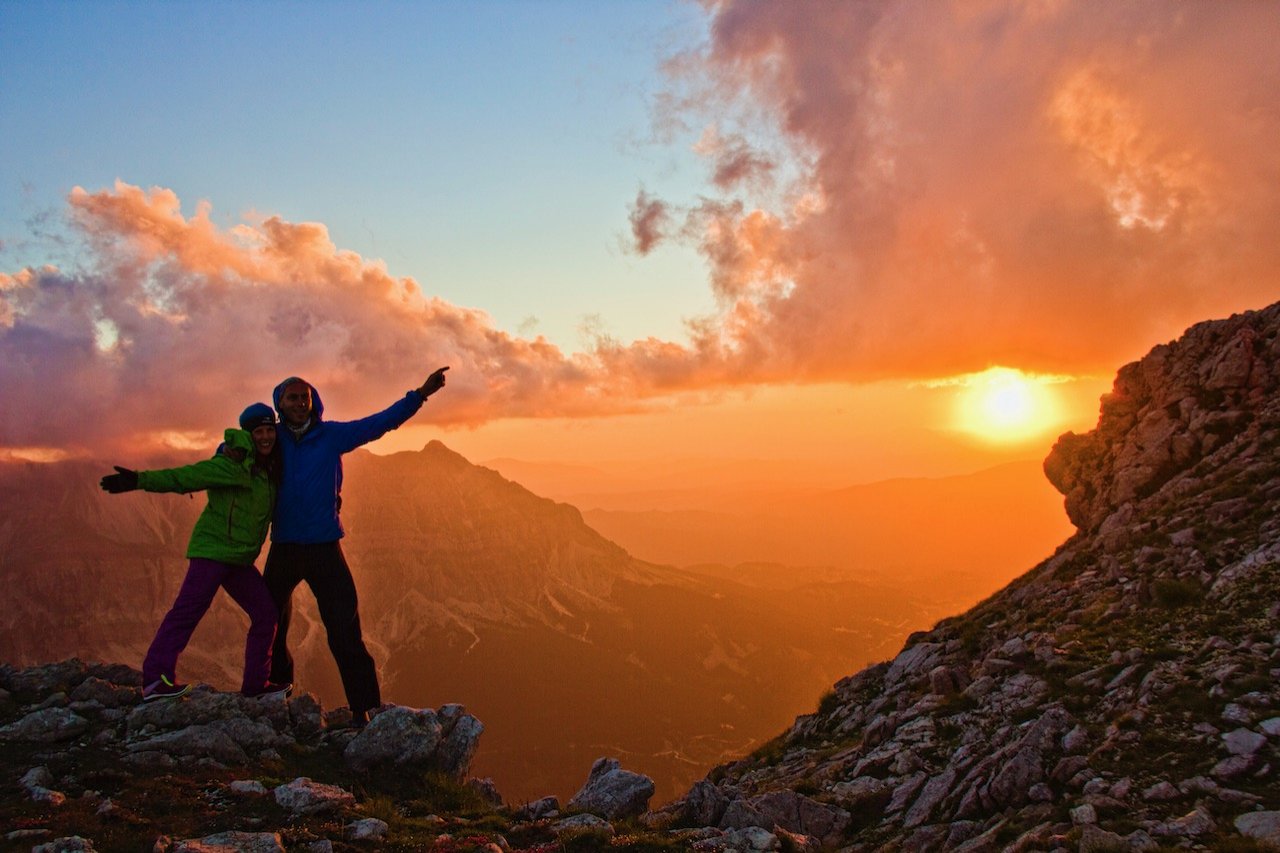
(307, 506)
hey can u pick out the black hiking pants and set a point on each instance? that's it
(325, 570)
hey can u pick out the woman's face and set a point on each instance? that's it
(264, 439)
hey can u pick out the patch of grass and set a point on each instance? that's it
(956, 703)
(1174, 593)
(646, 843)
(769, 752)
(1192, 699)
(949, 733)
(807, 788)
(435, 793)
(586, 840)
(1251, 683)
(381, 807)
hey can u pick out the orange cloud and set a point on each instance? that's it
(905, 189)
(1051, 185)
(177, 325)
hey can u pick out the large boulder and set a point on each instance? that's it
(46, 726)
(791, 811)
(421, 740)
(612, 792)
(398, 736)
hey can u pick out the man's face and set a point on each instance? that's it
(295, 403)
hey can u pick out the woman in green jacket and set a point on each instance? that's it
(241, 481)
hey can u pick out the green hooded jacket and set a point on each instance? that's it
(234, 524)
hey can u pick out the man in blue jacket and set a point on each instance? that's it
(305, 530)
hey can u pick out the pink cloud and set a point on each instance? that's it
(1051, 185)
(176, 325)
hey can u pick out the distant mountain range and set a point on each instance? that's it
(962, 536)
(474, 589)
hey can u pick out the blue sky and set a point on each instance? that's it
(488, 150)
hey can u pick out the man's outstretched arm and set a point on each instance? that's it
(352, 434)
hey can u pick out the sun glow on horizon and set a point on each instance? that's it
(1004, 405)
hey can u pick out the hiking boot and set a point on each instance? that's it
(164, 688)
(270, 689)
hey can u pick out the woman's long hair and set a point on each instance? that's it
(272, 463)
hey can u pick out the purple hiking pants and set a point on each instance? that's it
(246, 588)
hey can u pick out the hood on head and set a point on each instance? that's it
(236, 443)
(317, 405)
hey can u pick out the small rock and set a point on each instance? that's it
(66, 844)
(1235, 767)
(1243, 741)
(1237, 714)
(232, 842)
(1076, 741)
(1161, 792)
(538, 809)
(367, 829)
(1194, 823)
(21, 834)
(247, 786)
(582, 822)
(1085, 814)
(1264, 826)
(305, 797)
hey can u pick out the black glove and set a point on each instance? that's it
(123, 480)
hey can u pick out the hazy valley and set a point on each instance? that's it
(475, 590)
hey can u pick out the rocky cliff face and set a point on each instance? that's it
(1122, 695)
(1204, 403)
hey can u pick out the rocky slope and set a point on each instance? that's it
(1122, 695)
(85, 765)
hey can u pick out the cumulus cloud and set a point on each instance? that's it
(175, 325)
(1044, 184)
(904, 189)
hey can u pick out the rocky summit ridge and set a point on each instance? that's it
(1121, 695)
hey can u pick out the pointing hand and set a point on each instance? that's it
(433, 384)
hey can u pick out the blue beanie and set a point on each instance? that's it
(258, 414)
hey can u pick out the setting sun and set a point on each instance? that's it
(1005, 405)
